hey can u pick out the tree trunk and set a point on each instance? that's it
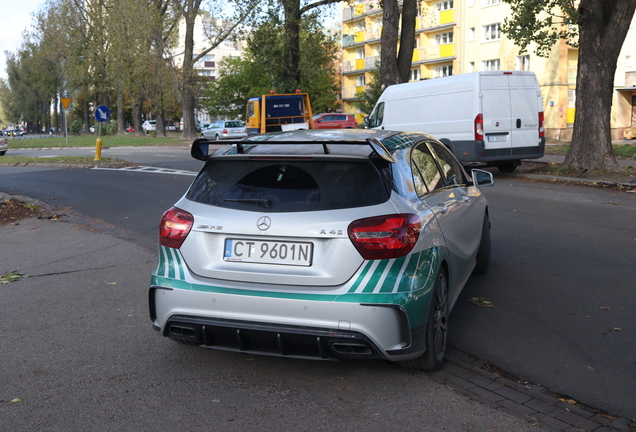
(187, 82)
(407, 40)
(388, 64)
(291, 79)
(121, 121)
(603, 26)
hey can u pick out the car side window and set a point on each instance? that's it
(426, 175)
(451, 168)
(377, 116)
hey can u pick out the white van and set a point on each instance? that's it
(493, 118)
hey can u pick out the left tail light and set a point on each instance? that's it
(541, 128)
(174, 227)
(385, 237)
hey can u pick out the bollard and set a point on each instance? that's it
(98, 149)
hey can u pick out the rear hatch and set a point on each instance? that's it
(282, 219)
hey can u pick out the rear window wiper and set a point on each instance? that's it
(258, 201)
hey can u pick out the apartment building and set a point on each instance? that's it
(461, 36)
(208, 65)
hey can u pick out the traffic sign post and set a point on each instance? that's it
(65, 103)
(102, 114)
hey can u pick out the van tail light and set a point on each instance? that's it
(479, 127)
(174, 227)
(385, 237)
(541, 128)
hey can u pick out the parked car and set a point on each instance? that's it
(14, 132)
(335, 121)
(130, 129)
(171, 128)
(4, 145)
(322, 244)
(149, 126)
(225, 129)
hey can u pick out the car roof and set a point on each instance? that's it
(338, 141)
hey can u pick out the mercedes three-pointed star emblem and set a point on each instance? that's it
(264, 223)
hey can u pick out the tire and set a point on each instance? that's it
(436, 329)
(507, 168)
(2, 153)
(483, 253)
(218, 138)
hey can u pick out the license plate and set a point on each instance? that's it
(268, 252)
(497, 138)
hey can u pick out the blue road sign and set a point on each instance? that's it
(102, 113)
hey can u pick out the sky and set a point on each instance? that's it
(16, 17)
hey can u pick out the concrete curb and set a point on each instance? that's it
(533, 403)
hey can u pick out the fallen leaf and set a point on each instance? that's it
(605, 308)
(12, 277)
(618, 329)
(481, 301)
(16, 400)
(111, 283)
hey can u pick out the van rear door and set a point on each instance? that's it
(511, 114)
(496, 109)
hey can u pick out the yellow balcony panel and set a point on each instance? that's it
(446, 17)
(359, 64)
(447, 50)
(359, 9)
(360, 89)
(570, 115)
(416, 55)
(359, 37)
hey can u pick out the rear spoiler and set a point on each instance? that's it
(201, 147)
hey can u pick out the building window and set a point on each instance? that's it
(360, 53)
(414, 75)
(471, 34)
(360, 81)
(523, 63)
(490, 65)
(444, 38)
(629, 61)
(443, 71)
(490, 2)
(471, 67)
(492, 32)
(444, 5)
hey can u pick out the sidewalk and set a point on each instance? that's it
(87, 282)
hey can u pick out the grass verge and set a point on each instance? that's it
(90, 141)
(63, 160)
(622, 151)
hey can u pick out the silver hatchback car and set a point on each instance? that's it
(225, 129)
(322, 244)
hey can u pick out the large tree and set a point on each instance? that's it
(602, 28)
(263, 68)
(396, 63)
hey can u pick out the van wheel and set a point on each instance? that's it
(436, 329)
(507, 168)
(483, 253)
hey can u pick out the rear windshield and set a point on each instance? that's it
(286, 186)
(233, 124)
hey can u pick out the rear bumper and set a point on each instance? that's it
(285, 327)
(476, 151)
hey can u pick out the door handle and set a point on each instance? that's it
(466, 199)
(518, 123)
(442, 208)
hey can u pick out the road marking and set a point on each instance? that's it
(152, 170)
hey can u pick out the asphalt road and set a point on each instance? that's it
(561, 279)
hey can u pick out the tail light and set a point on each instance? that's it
(225, 131)
(385, 237)
(541, 128)
(174, 227)
(479, 127)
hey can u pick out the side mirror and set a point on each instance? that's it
(482, 178)
(365, 122)
(200, 149)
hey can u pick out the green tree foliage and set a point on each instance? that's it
(262, 68)
(602, 28)
(369, 97)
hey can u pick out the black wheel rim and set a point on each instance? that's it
(440, 318)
